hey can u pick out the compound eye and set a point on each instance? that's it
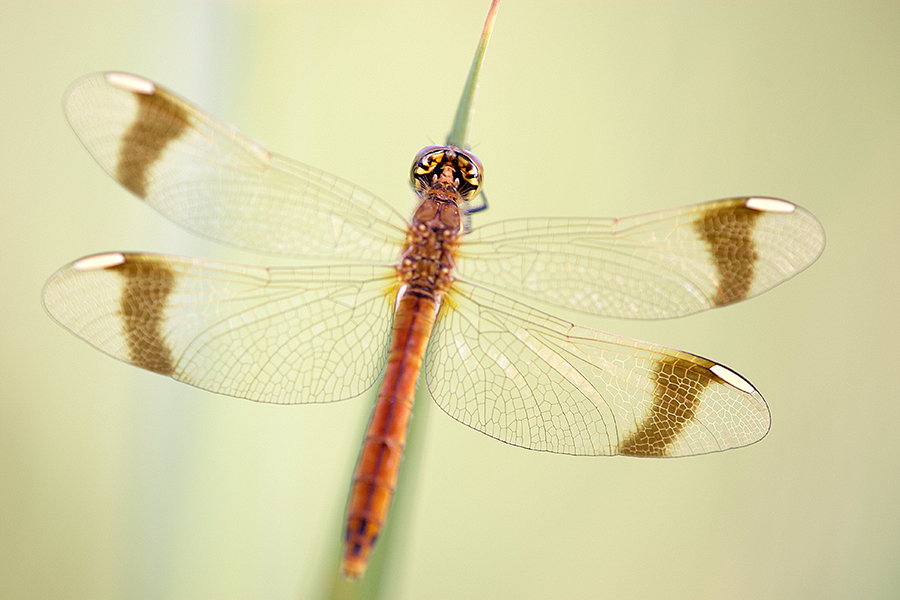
(470, 174)
(453, 166)
(426, 162)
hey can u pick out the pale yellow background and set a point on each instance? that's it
(121, 484)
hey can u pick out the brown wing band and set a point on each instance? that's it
(678, 386)
(729, 233)
(158, 122)
(147, 285)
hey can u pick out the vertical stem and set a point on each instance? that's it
(462, 123)
(393, 537)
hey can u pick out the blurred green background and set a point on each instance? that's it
(117, 483)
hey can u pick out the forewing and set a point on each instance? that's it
(285, 336)
(532, 380)
(659, 265)
(207, 177)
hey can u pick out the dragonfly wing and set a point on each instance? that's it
(659, 265)
(286, 336)
(532, 380)
(207, 177)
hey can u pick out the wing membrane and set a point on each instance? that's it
(286, 335)
(659, 265)
(532, 380)
(207, 177)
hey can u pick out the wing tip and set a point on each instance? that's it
(773, 205)
(98, 262)
(732, 378)
(130, 83)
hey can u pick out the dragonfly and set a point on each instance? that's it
(430, 295)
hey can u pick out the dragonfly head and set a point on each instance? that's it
(449, 168)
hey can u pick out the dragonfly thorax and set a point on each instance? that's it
(427, 262)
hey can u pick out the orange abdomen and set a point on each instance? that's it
(379, 459)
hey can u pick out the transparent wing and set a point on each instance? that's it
(207, 177)
(659, 265)
(286, 336)
(532, 380)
